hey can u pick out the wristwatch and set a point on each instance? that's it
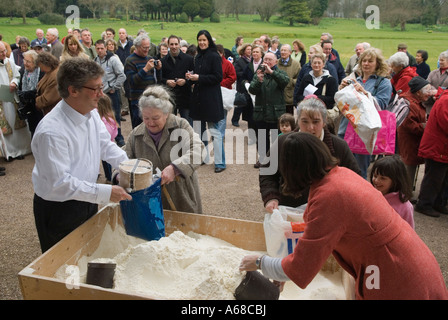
(258, 262)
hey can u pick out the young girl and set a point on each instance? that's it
(389, 176)
(286, 123)
(107, 115)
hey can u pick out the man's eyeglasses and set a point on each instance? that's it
(97, 90)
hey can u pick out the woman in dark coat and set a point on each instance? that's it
(206, 101)
(245, 53)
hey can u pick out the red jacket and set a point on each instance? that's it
(434, 144)
(400, 80)
(228, 73)
(411, 131)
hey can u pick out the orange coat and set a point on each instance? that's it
(369, 240)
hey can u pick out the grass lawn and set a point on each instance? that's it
(347, 33)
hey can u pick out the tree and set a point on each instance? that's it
(25, 7)
(398, 13)
(266, 8)
(92, 5)
(317, 8)
(191, 8)
(295, 11)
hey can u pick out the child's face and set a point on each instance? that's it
(285, 127)
(382, 183)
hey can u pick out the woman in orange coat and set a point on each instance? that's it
(363, 232)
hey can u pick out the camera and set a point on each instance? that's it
(349, 81)
(262, 68)
(156, 63)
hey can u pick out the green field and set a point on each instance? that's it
(346, 33)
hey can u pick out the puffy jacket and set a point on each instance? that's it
(114, 76)
(434, 144)
(269, 100)
(400, 80)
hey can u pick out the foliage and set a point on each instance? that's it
(295, 11)
(51, 18)
(183, 18)
(215, 18)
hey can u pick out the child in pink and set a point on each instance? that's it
(107, 115)
(389, 176)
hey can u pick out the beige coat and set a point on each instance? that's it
(47, 92)
(292, 68)
(187, 156)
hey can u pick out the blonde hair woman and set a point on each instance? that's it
(72, 48)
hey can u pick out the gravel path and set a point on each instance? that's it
(233, 193)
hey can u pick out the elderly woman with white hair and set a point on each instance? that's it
(170, 143)
(30, 76)
(438, 78)
(401, 72)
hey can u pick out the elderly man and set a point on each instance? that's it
(87, 44)
(40, 38)
(292, 68)
(53, 43)
(68, 146)
(113, 79)
(15, 137)
(175, 65)
(353, 61)
(141, 71)
(268, 86)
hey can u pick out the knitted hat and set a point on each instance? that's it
(417, 83)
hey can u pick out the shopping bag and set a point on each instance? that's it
(282, 230)
(143, 215)
(361, 113)
(385, 141)
(228, 98)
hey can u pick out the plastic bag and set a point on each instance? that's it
(282, 230)
(362, 114)
(143, 215)
(385, 142)
(228, 97)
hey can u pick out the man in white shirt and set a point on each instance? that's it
(68, 147)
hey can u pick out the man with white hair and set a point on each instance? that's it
(292, 68)
(359, 48)
(40, 40)
(53, 43)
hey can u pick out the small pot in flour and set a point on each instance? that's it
(101, 274)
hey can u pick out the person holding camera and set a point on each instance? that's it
(141, 71)
(268, 86)
(30, 76)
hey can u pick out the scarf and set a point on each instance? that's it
(30, 79)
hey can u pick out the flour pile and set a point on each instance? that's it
(180, 267)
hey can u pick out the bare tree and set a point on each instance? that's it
(266, 8)
(92, 5)
(24, 7)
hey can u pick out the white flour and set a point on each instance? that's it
(189, 267)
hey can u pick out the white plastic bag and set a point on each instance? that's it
(228, 97)
(282, 230)
(361, 112)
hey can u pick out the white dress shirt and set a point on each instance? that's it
(68, 148)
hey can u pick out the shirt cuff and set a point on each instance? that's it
(272, 268)
(104, 192)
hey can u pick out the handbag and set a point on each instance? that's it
(240, 99)
(385, 141)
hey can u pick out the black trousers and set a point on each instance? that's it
(54, 220)
(434, 184)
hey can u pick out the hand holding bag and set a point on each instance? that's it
(362, 114)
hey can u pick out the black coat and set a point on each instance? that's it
(171, 71)
(331, 88)
(206, 100)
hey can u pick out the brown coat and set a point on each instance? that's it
(411, 131)
(292, 69)
(184, 191)
(47, 92)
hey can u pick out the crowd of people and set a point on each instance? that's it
(69, 95)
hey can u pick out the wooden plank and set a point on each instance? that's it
(248, 235)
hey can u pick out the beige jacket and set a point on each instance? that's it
(292, 68)
(186, 152)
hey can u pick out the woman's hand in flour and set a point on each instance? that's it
(248, 263)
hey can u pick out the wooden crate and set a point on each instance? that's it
(37, 280)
